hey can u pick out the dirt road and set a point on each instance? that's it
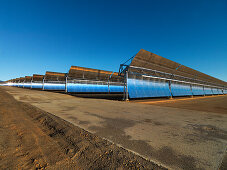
(34, 139)
(174, 137)
(215, 104)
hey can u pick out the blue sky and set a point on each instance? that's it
(51, 35)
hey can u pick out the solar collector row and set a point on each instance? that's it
(79, 80)
(160, 88)
(54, 81)
(149, 75)
(167, 78)
(150, 60)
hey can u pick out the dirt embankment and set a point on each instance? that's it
(31, 138)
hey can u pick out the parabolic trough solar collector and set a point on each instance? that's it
(37, 81)
(149, 75)
(16, 82)
(21, 82)
(87, 80)
(54, 81)
(27, 82)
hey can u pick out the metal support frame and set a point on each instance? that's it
(66, 81)
(127, 97)
(124, 67)
(204, 91)
(109, 82)
(191, 90)
(171, 95)
(212, 91)
(124, 94)
(43, 83)
(31, 82)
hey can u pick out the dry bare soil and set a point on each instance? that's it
(184, 134)
(34, 139)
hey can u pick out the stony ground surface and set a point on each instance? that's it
(180, 137)
(34, 139)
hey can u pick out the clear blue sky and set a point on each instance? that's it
(41, 35)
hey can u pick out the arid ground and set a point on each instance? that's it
(31, 138)
(45, 129)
